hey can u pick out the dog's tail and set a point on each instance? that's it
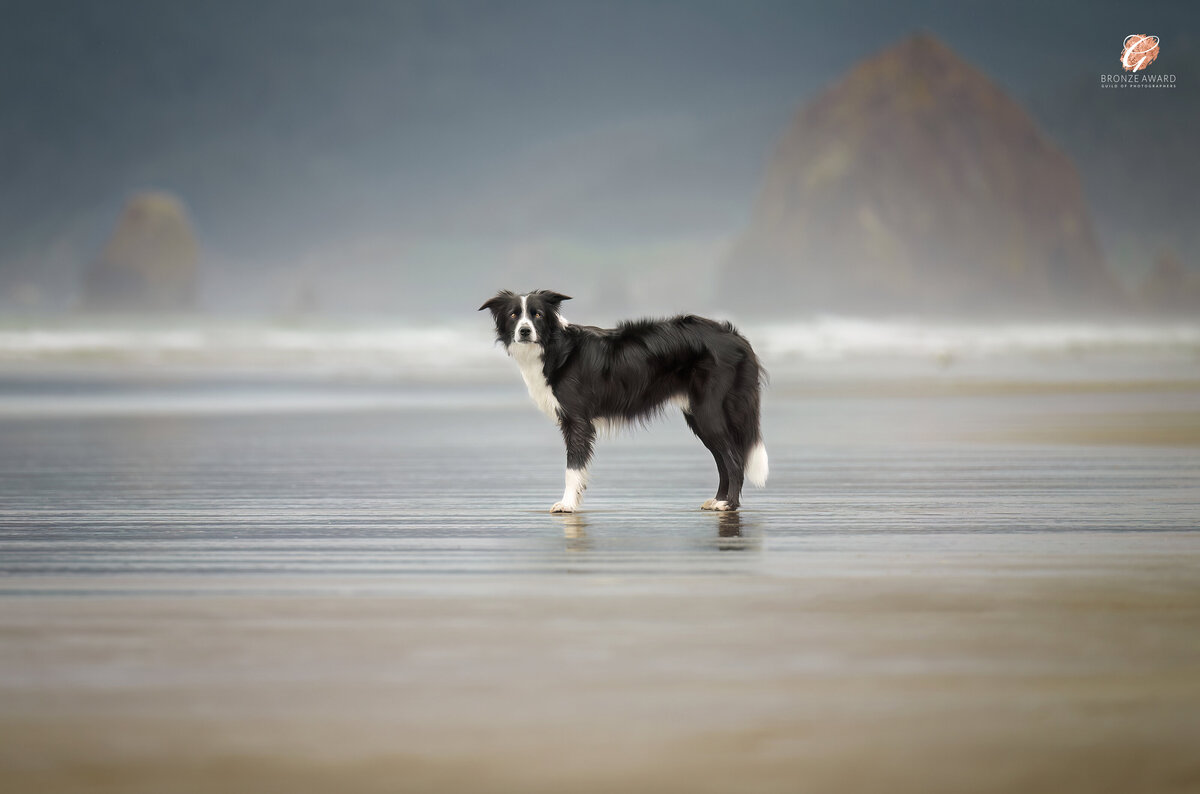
(750, 378)
(756, 464)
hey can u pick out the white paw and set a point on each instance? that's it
(708, 505)
(559, 507)
(720, 505)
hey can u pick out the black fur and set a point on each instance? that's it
(630, 373)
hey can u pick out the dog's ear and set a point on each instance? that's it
(553, 298)
(495, 303)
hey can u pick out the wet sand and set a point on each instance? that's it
(935, 593)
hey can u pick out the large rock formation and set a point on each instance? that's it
(149, 263)
(916, 184)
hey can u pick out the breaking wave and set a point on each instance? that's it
(828, 338)
(468, 353)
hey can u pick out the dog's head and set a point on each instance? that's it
(526, 319)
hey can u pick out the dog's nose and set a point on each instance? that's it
(525, 332)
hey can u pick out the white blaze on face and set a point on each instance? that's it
(524, 322)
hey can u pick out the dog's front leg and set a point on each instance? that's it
(579, 436)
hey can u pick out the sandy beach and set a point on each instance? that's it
(945, 587)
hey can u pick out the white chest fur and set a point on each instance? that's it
(529, 359)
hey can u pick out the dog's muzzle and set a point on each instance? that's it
(525, 332)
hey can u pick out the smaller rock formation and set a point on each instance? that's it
(149, 262)
(1170, 288)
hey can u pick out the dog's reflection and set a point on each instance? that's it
(734, 534)
(575, 531)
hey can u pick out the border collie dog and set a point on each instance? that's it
(587, 378)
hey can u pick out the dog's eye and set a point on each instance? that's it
(513, 315)
(538, 315)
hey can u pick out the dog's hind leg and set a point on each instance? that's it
(579, 437)
(709, 442)
(740, 439)
(707, 421)
(736, 463)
